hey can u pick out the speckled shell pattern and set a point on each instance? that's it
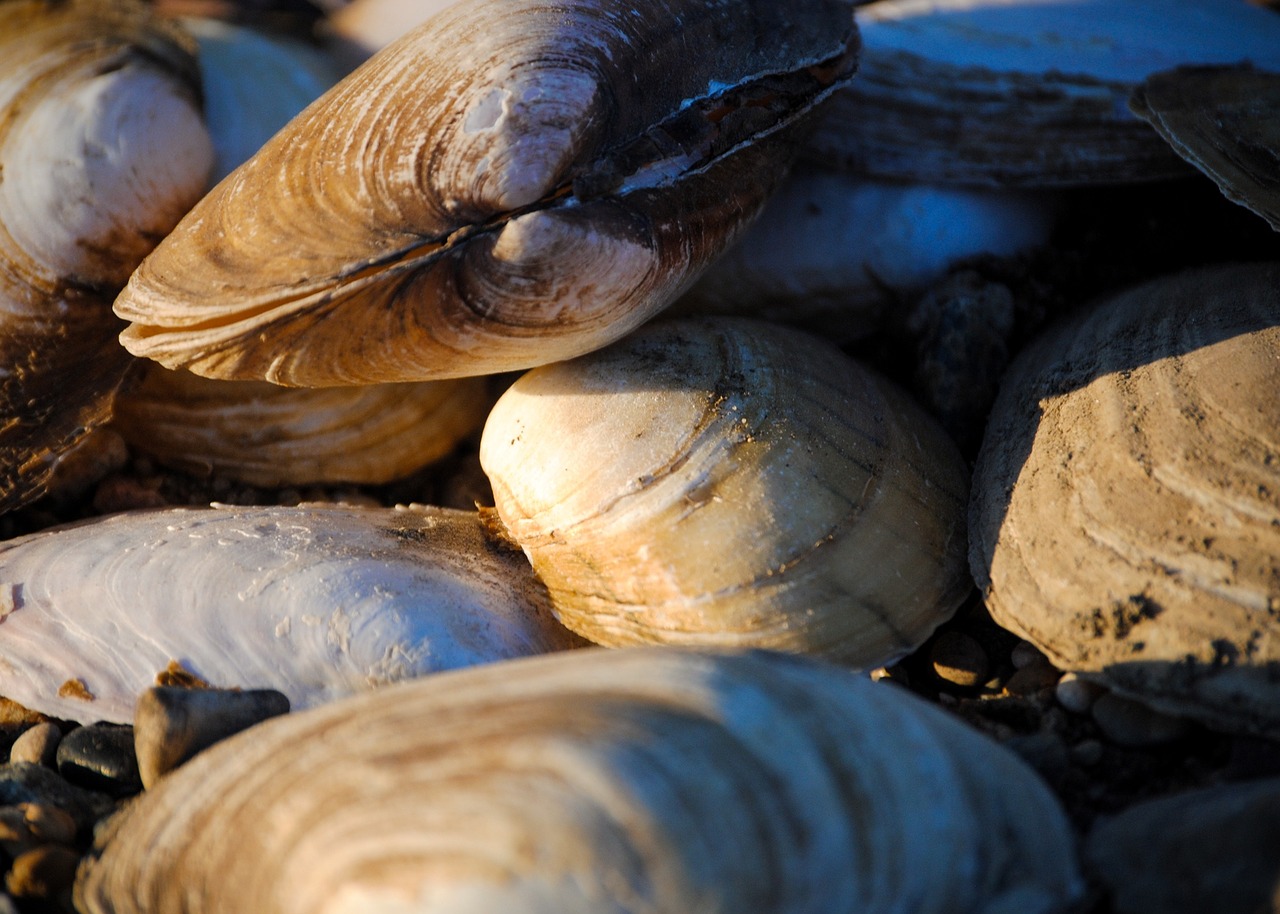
(1126, 505)
(628, 782)
(510, 184)
(316, 601)
(267, 435)
(102, 150)
(726, 482)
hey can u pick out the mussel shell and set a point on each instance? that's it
(1024, 92)
(317, 601)
(1126, 503)
(628, 782)
(271, 436)
(732, 483)
(102, 150)
(510, 184)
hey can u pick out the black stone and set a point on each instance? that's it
(25, 782)
(100, 757)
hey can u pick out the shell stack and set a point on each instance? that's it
(523, 456)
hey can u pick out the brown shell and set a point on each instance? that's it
(731, 483)
(102, 150)
(1126, 505)
(510, 184)
(268, 435)
(1226, 122)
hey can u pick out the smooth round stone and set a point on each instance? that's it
(1133, 724)
(37, 745)
(24, 782)
(100, 757)
(1034, 677)
(959, 659)
(1076, 694)
(45, 872)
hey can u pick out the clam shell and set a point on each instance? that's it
(317, 601)
(270, 436)
(593, 781)
(1225, 122)
(942, 81)
(1126, 504)
(102, 149)
(508, 185)
(732, 483)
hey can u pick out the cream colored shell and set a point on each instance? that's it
(317, 601)
(1126, 505)
(267, 435)
(628, 782)
(732, 483)
(510, 184)
(102, 150)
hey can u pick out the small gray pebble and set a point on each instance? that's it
(100, 757)
(1024, 654)
(1133, 724)
(1076, 694)
(1033, 678)
(37, 745)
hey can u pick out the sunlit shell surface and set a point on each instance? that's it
(600, 781)
(1226, 122)
(510, 184)
(1029, 92)
(732, 483)
(267, 435)
(1126, 505)
(316, 601)
(831, 252)
(102, 150)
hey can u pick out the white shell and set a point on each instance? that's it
(626, 782)
(317, 601)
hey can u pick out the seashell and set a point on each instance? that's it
(832, 252)
(271, 436)
(731, 483)
(1225, 122)
(591, 781)
(104, 150)
(1126, 503)
(940, 83)
(317, 602)
(508, 185)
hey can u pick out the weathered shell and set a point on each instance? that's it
(594, 781)
(317, 601)
(102, 150)
(1024, 92)
(1225, 122)
(831, 252)
(1126, 504)
(508, 185)
(270, 436)
(736, 484)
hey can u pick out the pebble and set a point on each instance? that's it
(171, 724)
(1076, 694)
(1133, 724)
(26, 783)
(1024, 654)
(1034, 677)
(100, 757)
(1208, 851)
(37, 745)
(45, 872)
(959, 659)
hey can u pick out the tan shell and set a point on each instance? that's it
(102, 150)
(508, 185)
(628, 782)
(1126, 505)
(1024, 92)
(267, 435)
(732, 483)
(316, 601)
(1225, 122)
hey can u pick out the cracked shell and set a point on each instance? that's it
(508, 185)
(732, 483)
(1126, 505)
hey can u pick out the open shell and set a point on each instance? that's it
(316, 601)
(1126, 506)
(268, 435)
(508, 185)
(942, 81)
(627, 782)
(732, 483)
(102, 150)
